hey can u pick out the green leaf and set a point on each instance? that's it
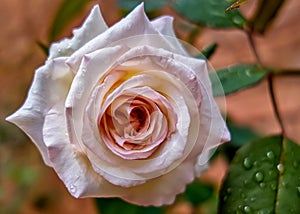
(43, 47)
(240, 135)
(209, 13)
(236, 78)
(197, 193)
(116, 206)
(264, 14)
(263, 178)
(69, 9)
(150, 5)
(208, 51)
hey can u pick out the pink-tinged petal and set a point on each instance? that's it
(82, 181)
(72, 166)
(169, 156)
(162, 190)
(50, 85)
(93, 66)
(209, 111)
(164, 25)
(92, 27)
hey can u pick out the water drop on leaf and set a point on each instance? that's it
(259, 176)
(270, 155)
(280, 168)
(247, 163)
(247, 209)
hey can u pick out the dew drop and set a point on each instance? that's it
(280, 168)
(225, 198)
(72, 188)
(298, 189)
(228, 190)
(273, 186)
(247, 209)
(247, 163)
(59, 50)
(252, 199)
(270, 155)
(262, 185)
(259, 176)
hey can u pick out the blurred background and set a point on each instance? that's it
(27, 186)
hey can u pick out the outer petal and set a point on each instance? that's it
(50, 84)
(92, 27)
(162, 190)
(164, 25)
(212, 122)
(70, 164)
(134, 30)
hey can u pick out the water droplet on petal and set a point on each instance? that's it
(247, 209)
(270, 155)
(247, 163)
(72, 188)
(259, 176)
(280, 168)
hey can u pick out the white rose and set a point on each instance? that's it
(123, 111)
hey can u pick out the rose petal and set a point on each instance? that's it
(164, 25)
(162, 190)
(70, 164)
(51, 83)
(133, 30)
(92, 27)
(92, 67)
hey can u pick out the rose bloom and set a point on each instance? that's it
(123, 111)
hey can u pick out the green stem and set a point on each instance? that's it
(270, 82)
(252, 45)
(274, 103)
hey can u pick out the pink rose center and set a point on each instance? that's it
(133, 126)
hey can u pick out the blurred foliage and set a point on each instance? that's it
(265, 14)
(261, 178)
(237, 77)
(115, 205)
(209, 13)
(68, 10)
